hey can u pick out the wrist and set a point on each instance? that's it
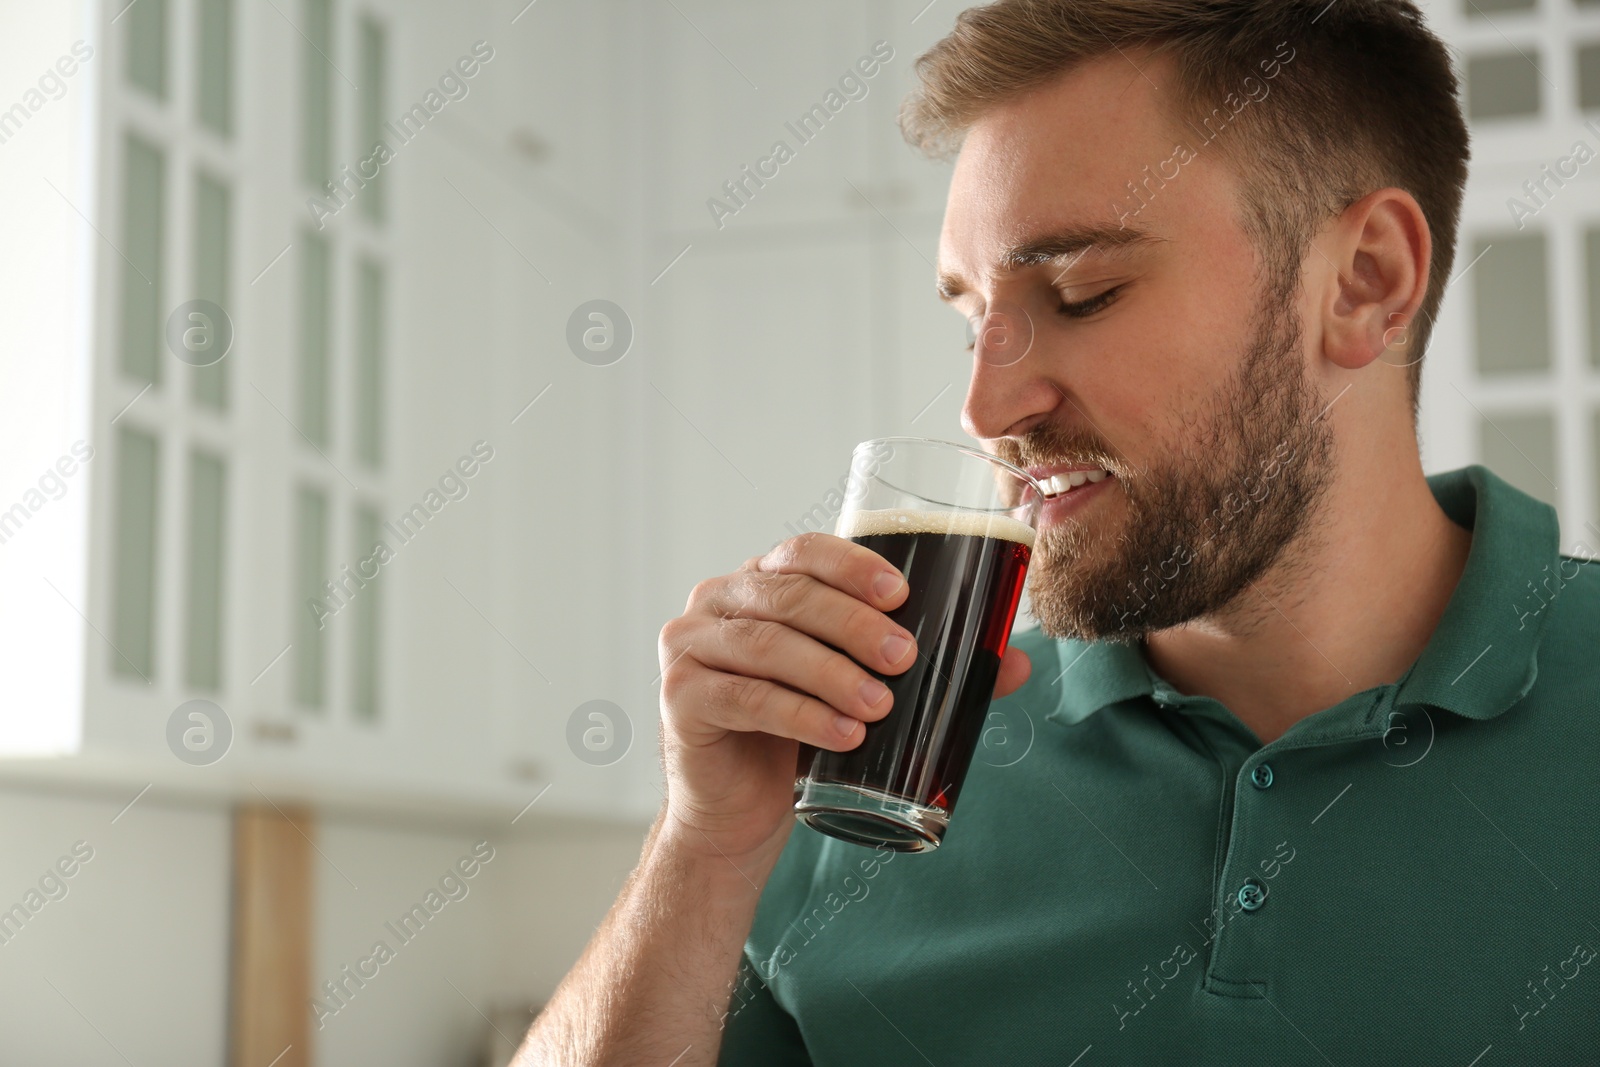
(694, 854)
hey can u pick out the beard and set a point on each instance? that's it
(1242, 486)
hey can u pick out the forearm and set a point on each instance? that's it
(656, 978)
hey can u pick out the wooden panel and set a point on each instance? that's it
(269, 1015)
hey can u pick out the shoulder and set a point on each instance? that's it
(1572, 594)
(1566, 604)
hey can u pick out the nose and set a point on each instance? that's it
(1009, 390)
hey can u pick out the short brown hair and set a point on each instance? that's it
(1368, 101)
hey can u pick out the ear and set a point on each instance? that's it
(1381, 249)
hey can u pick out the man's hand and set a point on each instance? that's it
(768, 656)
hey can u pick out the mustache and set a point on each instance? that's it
(1049, 446)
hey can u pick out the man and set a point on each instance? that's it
(1310, 740)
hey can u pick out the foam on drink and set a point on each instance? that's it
(854, 524)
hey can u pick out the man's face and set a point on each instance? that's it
(1167, 359)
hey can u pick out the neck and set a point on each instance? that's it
(1350, 605)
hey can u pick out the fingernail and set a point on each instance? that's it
(895, 648)
(887, 584)
(873, 692)
(844, 724)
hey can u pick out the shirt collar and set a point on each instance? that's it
(1481, 657)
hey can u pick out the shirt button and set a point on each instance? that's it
(1252, 895)
(1261, 777)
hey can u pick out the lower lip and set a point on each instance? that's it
(1059, 508)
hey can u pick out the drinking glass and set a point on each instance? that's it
(959, 523)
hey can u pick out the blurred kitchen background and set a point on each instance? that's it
(559, 351)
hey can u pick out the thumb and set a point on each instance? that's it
(1015, 670)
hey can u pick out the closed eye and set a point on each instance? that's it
(1092, 306)
(1081, 310)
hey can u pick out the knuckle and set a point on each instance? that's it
(747, 591)
(702, 592)
(672, 634)
(744, 585)
(675, 681)
(759, 638)
(732, 692)
(785, 592)
(807, 542)
(799, 547)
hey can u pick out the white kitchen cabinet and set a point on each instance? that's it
(425, 692)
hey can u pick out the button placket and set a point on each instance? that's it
(1241, 892)
(1252, 892)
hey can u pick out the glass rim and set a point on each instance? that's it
(977, 453)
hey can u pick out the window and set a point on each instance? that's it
(203, 557)
(340, 389)
(315, 333)
(1502, 85)
(1521, 448)
(143, 180)
(316, 89)
(370, 108)
(133, 605)
(1511, 303)
(211, 242)
(1589, 77)
(214, 103)
(364, 675)
(369, 363)
(1484, 8)
(147, 46)
(310, 566)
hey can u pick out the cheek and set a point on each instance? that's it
(1198, 312)
(1195, 343)
(1137, 377)
(1147, 375)
(1148, 383)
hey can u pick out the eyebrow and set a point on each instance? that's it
(1048, 248)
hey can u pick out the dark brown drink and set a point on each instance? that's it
(966, 572)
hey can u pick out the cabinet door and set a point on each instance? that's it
(780, 95)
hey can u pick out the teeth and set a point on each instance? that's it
(1062, 483)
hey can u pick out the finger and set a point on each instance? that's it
(845, 565)
(758, 648)
(745, 704)
(819, 610)
(1015, 669)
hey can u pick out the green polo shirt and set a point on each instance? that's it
(1409, 877)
